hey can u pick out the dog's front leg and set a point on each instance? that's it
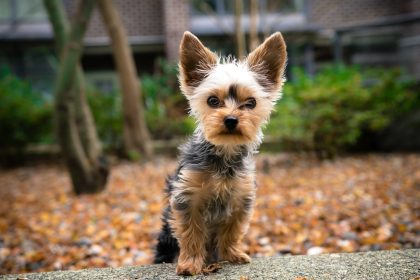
(190, 231)
(229, 237)
(191, 235)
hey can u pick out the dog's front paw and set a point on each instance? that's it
(235, 255)
(189, 267)
(239, 257)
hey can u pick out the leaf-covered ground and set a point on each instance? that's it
(303, 206)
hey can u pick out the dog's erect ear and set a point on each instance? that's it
(269, 61)
(195, 61)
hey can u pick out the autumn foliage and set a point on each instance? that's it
(304, 206)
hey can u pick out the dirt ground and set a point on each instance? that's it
(303, 206)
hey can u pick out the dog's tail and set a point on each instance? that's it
(167, 249)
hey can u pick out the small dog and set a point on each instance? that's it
(212, 193)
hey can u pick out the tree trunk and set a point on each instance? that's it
(239, 32)
(136, 135)
(253, 25)
(84, 119)
(88, 175)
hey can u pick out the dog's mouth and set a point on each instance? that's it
(231, 132)
(224, 137)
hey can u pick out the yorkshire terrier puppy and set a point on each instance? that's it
(212, 193)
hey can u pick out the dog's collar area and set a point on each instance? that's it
(225, 161)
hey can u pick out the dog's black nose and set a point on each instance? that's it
(230, 122)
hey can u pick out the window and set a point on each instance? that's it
(284, 6)
(22, 10)
(202, 7)
(227, 7)
(5, 9)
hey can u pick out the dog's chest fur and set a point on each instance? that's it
(212, 184)
(220, 199)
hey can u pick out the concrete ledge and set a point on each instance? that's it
(404, 264)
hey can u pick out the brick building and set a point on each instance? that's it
(368, 32)
(373, 32)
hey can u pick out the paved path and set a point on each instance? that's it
(404, 264)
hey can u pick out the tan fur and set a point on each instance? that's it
(229, 237)
(250, 121)
(202, 225)
(193, 232)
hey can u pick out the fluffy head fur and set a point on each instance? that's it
(260, 77)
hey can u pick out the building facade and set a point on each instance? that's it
(367, 32)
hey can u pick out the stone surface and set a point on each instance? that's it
(404, 264)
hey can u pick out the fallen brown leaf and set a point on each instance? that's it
(212, 268)
(354, 203)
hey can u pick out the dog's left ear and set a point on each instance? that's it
(268, 61)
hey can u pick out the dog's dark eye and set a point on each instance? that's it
(213, 101)
(250, 103)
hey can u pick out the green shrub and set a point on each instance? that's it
(106, 110)
(329, 112)
(165, 108)
(25, 115)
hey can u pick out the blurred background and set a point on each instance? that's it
(90, 104)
